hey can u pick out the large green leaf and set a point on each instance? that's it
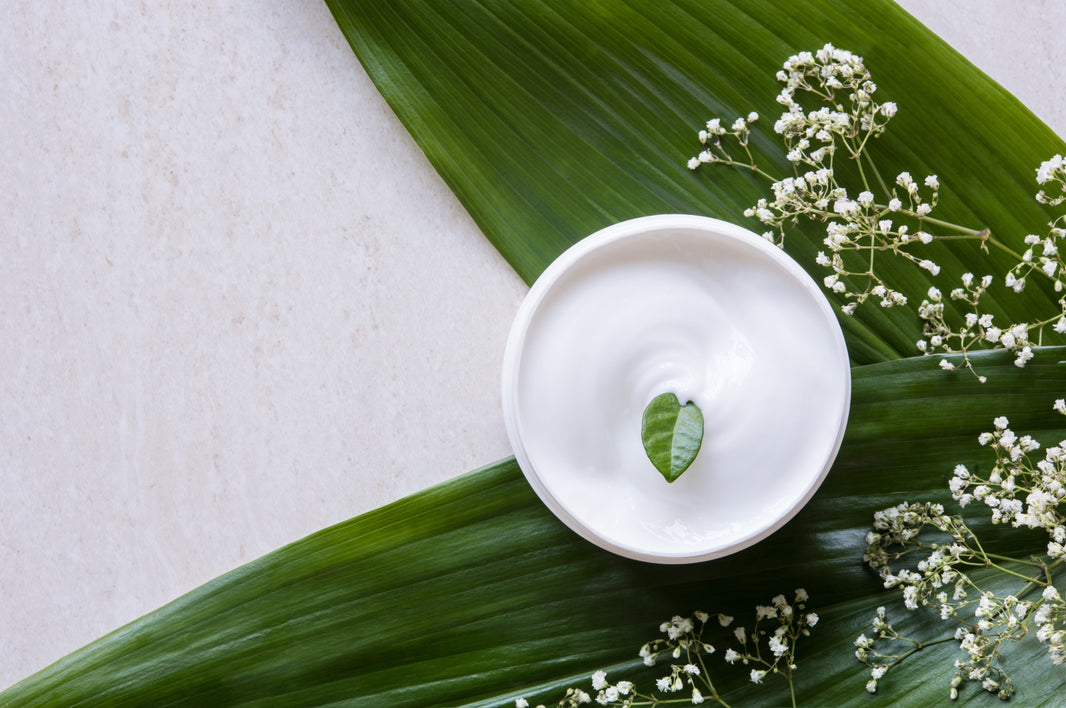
(551, 119)
(471, 593)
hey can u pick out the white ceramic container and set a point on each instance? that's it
(705, 309)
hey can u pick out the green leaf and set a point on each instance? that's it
(551, 119)
(472, 593)
(672, 434)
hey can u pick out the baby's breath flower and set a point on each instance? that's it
(681, 644)
(830, 108)
(1017, 489)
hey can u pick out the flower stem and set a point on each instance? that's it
(1008, 559)
(981, 233)
(877, 174)
(707, 680)
(964, 233)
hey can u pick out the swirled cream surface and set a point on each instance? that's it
(712, 313)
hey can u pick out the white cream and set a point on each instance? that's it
(702, 309)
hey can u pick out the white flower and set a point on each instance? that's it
(757, 676)
(599, 680)
(731, 656)
(521, 703)
(930, 266)
(895, 204)
(691, 669)
(932, 182)
(812, 619)
(697, 697)
(871, 686)
(1048, 168)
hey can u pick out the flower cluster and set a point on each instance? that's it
(714, 139)
(830, 116)
(788, 622)
(1041, 256)
(1017, 491)
(683, 644)
(839, 79)
(943, 553)
(976, 330)
(1052, 175)
(844, 118)
(767, 650)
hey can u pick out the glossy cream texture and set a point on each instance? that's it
(714, 320)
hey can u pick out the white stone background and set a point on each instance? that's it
(237, 305)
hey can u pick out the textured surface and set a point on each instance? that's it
(231, 288)
(230, 285)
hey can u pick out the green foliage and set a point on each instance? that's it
(552, 119)
(472, 593)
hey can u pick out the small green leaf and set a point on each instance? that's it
(672, 434)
